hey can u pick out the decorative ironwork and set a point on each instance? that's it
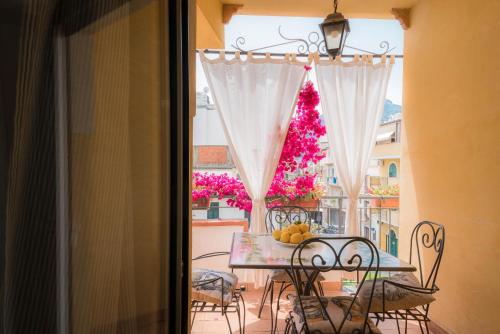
(282, 216)
(427, 235)
(313, 43)
(430, 236)
(351, 254)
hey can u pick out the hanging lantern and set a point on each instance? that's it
(335, 29)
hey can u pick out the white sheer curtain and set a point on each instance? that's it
(352, 99)
(255, 99)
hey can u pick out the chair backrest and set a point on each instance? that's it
(427, 237)
(322, 254)
(282, 216)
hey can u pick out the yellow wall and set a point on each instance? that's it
(209, 25)
(320, 8)
(451, 153)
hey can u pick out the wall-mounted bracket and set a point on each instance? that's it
(403, 16)
(228, 10)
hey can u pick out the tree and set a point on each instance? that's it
(292, 180)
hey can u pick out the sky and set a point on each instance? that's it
(260, 31)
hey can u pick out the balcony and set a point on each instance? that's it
(378, 217)
(449, 142)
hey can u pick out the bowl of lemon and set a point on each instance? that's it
(293, 234)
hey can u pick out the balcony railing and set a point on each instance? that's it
(378, 217)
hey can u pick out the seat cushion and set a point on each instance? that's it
(212, 292)
(337, 308)
(396, 298)
(280, 275)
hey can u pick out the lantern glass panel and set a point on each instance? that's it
(333, 35)
(347, 30)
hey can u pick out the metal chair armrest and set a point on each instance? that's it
(207, 281)
(409, 287)
(208, 255)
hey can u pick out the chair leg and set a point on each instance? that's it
(264, 295)
(228, 324)
(397, 321)
(271, 304)
(406, 322)
(426, 319)
(283, 287)
(193, 315)
(426, 326)
(244, 313)
(420, 325)
(238, 313)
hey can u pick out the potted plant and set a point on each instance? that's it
(202, 203)
(201, 193)
(385, 191)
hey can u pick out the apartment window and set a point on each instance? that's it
(213, 212)
(317, 216)
(393, 170)
(367, 232)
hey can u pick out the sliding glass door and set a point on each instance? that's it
(117, 202)
(93, 195)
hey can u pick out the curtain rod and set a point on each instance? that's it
(278, 54)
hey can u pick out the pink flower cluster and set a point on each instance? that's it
(206, 185)
(301, 147)
(300, 150)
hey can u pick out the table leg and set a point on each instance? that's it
(303, 289)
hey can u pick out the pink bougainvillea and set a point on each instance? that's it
(301, 150)
(207, 185)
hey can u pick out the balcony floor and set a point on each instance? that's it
(215, 323)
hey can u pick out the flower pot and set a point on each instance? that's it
(305, 203)
(385, 203)
(201, 203)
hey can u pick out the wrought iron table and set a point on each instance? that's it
(261, 251)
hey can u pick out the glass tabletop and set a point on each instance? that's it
(261, 251)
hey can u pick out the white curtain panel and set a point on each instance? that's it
(352, 98)
(255, 99)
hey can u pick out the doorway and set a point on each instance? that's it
(92, 186)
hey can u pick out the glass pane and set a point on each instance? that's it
(333, 35)
(117, 244)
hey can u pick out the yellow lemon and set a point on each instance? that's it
(285, 237)
(304, 228)
(276, 234)
(307, 235)
(292, 229)
(296, 238)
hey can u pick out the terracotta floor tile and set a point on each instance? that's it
(211, 323)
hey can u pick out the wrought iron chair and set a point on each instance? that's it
(278, 218)
(404, 296)
(315, 313)
(216, 291)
